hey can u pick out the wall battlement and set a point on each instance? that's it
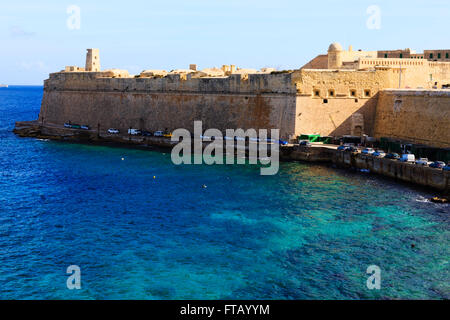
(236, 83)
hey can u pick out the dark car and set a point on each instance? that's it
(282, 142)
(305, 143)
(447, 167)
(437, 164)
(394, 156)
(147, 133)
(341, 148)
(351, 149)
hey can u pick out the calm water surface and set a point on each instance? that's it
(309, 232)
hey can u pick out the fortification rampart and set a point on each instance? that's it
(338, 102)
(419, 116)
(171, 102)
(235, 84)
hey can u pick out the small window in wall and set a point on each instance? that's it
(431, 56)
(367, 93)
(331, 93)
(353, 93)
(439, 55)
(446, 55)
(325, 100)
(317, 93)
(385, 55)
(356, 100)
(397, 105)
(401, 55)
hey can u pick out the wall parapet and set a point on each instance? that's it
(96, 81)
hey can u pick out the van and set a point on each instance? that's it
(134, 132)
(406, 157)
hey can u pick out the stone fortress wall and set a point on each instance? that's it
(340, 93)
(260, 101)
(421, 116)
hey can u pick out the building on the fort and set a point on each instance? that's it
(389, 93)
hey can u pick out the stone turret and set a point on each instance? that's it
(335, 56)
(93, 60)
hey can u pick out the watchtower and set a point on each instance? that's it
(335, 56)
(93, 60)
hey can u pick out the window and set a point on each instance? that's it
(353, 93)
(356, 100)
(401, 55)
(325, 100)
(367, 93)
(431, 56)
(317, 93)
(446, 55)
(385, 55)
(331, 93)
(439, 55)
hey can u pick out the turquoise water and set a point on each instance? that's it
(309, 232)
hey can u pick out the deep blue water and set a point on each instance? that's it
(309, 232)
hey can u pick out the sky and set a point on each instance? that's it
(40, 37)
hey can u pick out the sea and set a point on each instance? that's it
(139, 227)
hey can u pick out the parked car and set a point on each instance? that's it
(147, 133)
(368, 151)
(437, 164)
(447, 167)
(352, 149)
(305, 143)
(84, 127)
(282, 142)
(134, 132)
(407, 157)
(423, 162)
(394, 156)
(340, 148)
(379, 153)
(158, 134)
(67, 125)
(113, 131)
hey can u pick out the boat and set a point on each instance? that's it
(3, 85)
(439, 200)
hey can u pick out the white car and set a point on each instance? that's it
(423, 162)
(113, 131)
(368, 151)
(134, 132)
(158, 134)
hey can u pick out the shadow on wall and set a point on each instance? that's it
(361, 121)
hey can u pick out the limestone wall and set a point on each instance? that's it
(419, 116)
(329, 101)
(263, 101)
(102, 81)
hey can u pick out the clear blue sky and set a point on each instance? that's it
(169, 34)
